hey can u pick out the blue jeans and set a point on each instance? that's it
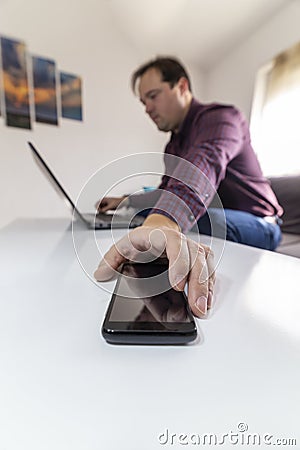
(241, 227)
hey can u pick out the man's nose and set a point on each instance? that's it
(148, 107)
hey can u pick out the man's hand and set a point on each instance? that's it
(108, 203)
(188, 261)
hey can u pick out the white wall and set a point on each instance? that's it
(232, 80)
(83, 39)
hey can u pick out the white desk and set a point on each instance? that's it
(62, 387)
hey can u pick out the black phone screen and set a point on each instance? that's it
(144, 303)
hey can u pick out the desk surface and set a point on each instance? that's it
(63, 387)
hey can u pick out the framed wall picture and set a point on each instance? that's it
(44, 89)
(71, 96)
(15, 83)
(1, 83)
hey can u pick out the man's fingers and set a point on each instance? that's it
(198, 280)
(134, 246)
(107, 203)
(103, 208)
(179, 259)
(211, 275)
(111, 261)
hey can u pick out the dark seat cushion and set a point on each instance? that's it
(287, 191)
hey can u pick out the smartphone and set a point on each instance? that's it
(146, 310)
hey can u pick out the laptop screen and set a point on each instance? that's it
(54, 182)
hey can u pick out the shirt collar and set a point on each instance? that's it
(188, 120)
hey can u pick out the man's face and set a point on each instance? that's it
(164, 104)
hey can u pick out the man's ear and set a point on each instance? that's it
(183, 85)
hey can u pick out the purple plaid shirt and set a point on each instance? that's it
(211, 152)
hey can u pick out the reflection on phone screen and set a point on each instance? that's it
(133, 304)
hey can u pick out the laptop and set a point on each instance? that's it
(93, 221)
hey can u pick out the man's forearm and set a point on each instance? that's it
(144, 200)
(160, 220)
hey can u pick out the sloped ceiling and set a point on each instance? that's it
(200, 31)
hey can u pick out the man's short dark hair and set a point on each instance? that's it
(170, 68)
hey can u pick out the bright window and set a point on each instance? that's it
(275, 118)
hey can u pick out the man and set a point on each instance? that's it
(213, 150)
